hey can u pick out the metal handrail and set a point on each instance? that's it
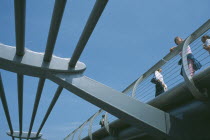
(91, 123)
(132, 87)
(169, 56)
(81, 128)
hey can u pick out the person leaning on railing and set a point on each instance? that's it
(206, 40)
(160, 86)
(193, 64)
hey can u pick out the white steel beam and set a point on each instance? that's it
(154, 121)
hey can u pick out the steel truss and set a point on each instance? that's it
(68, 73)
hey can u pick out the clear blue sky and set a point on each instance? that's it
(129, 38)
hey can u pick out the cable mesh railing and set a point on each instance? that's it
(144, 90)
(96, 122)
(84, 131)
(171, 72)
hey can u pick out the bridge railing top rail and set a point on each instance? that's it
(143, 90)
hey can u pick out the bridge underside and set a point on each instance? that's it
(169, 116)
(178, 102)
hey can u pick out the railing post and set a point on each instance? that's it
(80, 130)
(73, 135)
(91, 123)
(186, 73)
(106, 123)
(135, 86)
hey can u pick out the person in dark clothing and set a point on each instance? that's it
(160, 86)
(102, 121)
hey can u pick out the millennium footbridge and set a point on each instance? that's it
(182, 112)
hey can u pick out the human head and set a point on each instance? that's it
(203, 39)
(103, 116)
(178, 40)
(159, 70)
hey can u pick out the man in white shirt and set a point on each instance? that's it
(160, 85)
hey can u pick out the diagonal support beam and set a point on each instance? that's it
(5, 106)
(20, 13)
(36, 103)
(20, 100)
(154, 121)
(89, 27)
(54, 28)
(55, 98)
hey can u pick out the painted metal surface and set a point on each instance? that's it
(24, 135)
(20, 100)
(32, 63)
(52, 104)
(131, 111)
(20, 14)
(106, 123)
(73, 133)
(187, 76)
(68, 73)
(178, 101)
(80, 130)
(54, 28)
(169, 56)
(87, 31)
(5, 106)
(91, 123)
(36, 103)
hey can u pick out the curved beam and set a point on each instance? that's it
(91, 123)
(73, 135)
(169, 56)
(106, 123)
(24, 135)
(32, 63)
(80, 130)
(187, 76)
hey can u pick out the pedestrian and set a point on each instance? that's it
(160, 86)
(193, 64)
(102, 121)
(206, 40)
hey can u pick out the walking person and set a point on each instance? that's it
(193, 64)
(160, 86)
